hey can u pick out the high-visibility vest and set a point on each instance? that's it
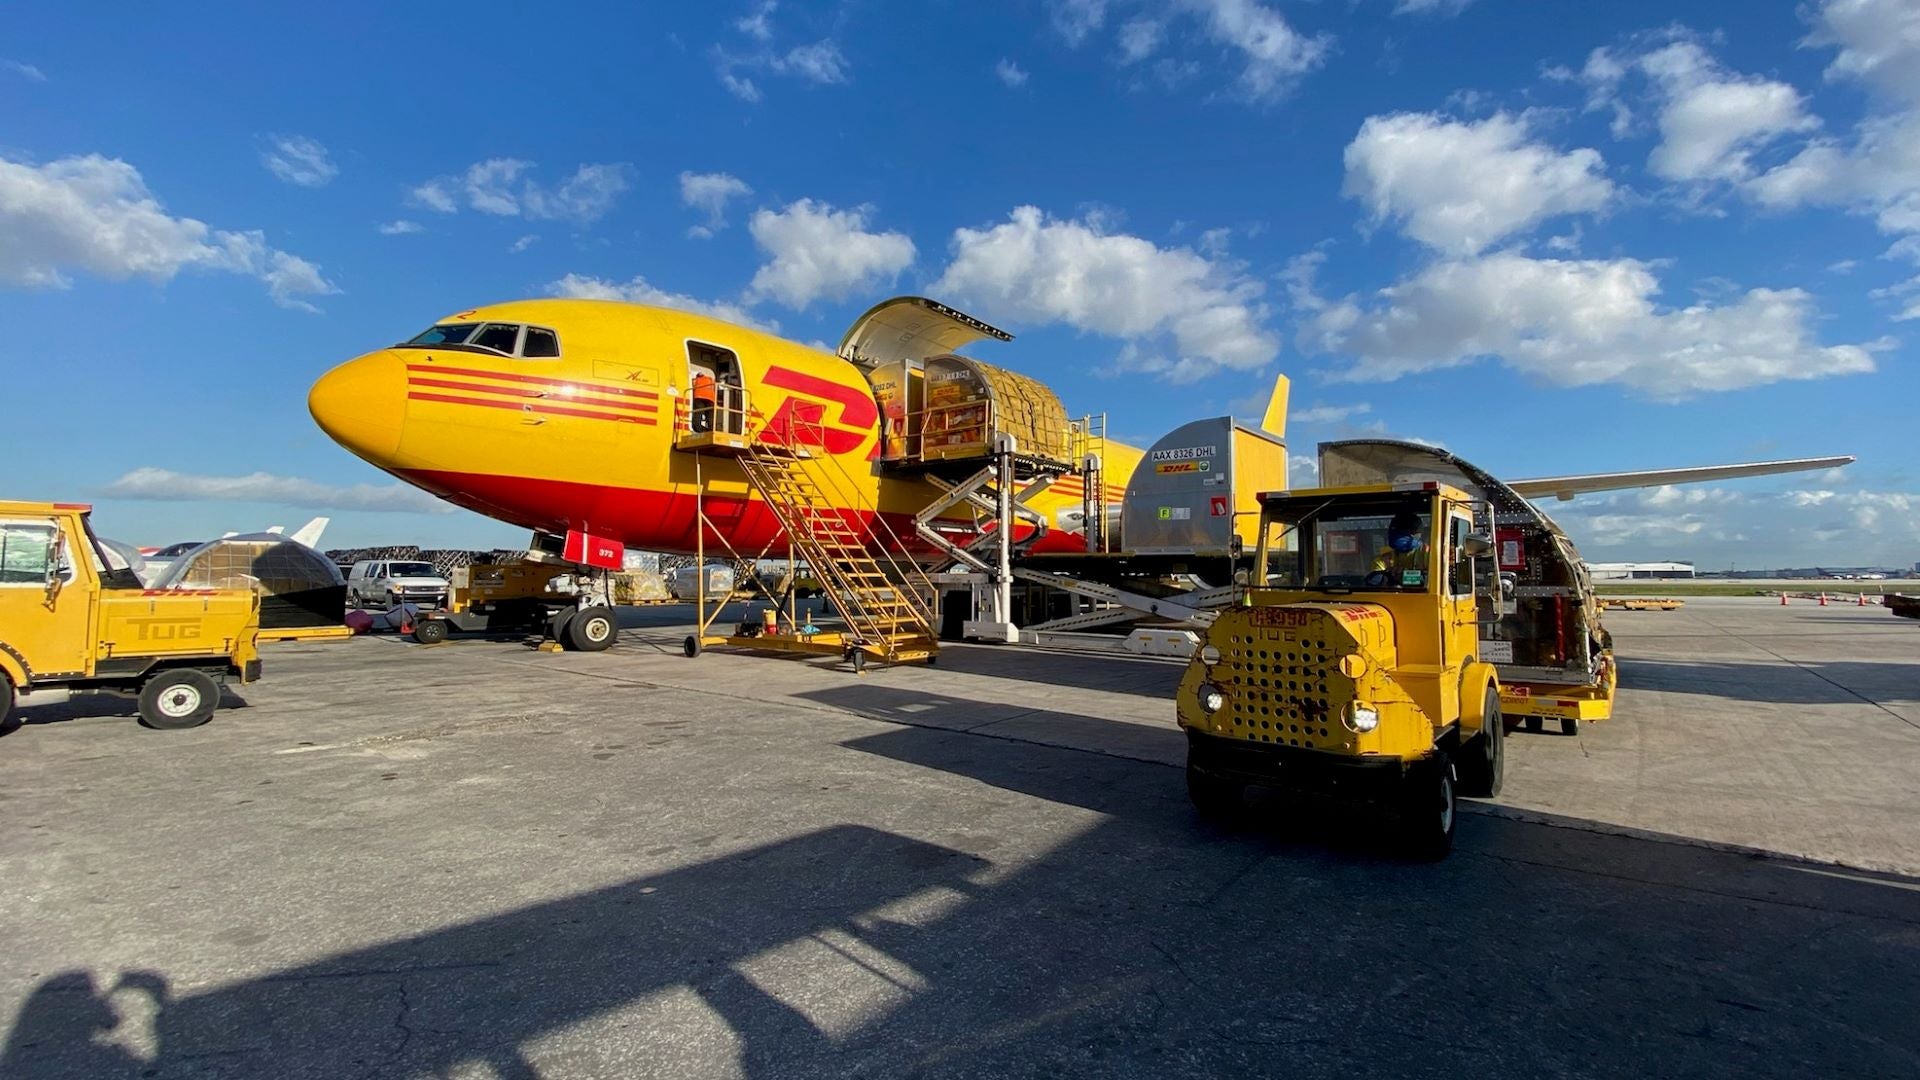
(703, 389)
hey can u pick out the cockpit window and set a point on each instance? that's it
(502, 338)
(540, 342)
(446, 334)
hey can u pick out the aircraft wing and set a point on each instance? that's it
(1566, 487)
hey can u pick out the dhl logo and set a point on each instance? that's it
(802, 420)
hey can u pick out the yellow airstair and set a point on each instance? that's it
(885, 599)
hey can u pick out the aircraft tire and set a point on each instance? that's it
(593, 629)
(558, 626)
(178, 699)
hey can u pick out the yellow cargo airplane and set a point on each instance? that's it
(569, 417)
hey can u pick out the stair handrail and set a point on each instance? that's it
(765, 472)
(918, 588)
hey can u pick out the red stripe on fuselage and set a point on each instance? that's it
(537, 380)
(527, 406)
(450, 384)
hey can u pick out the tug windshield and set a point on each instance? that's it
(1346, 546)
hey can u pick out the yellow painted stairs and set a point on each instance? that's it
(885, 600)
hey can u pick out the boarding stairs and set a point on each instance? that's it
(885, 601)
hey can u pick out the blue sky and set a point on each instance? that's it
(1554, 237)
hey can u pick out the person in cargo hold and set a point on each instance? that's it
(704, 395)
(1405, 552)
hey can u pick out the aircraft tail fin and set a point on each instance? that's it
(1275, 421)
(309, 534)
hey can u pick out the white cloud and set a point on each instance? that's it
(1876, 171)
(25, 71)
(1075, 272)
(1076, 20)
(522, 244)
(1878, 42)
(821, 63)
(820, 252)
(1580, 323)
(709, 193)
(1430, 7)
(1140, 38)
(94, 214)
(1462, 186)
(401, 227)
(299, 160)
(1712, 120)
(1330, 414)
(757, 24)
(500, 186)
(261, 487)
(640, 291)
(1274, 52)
(1303, 470)
(1009, 73)
(1717, 527)
(738, 85)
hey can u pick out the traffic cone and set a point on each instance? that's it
(1783, 599)
(1823, 599)
(1862, 598)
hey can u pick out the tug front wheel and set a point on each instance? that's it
(1427, 808)
(1483, 765)
(1218, 801)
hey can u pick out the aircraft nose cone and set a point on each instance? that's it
(361, 405)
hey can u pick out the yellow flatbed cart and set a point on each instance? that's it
(307, 633)
(1536, 703)
(1640, 603)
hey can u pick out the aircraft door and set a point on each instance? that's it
(716, 389)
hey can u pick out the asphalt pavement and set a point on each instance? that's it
(478, 860)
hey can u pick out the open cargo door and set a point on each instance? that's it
(912, 328)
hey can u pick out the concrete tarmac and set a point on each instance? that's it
(475, 860)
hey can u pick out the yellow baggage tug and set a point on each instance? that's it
(1356, 668)
(1393, 619)
(74, 620)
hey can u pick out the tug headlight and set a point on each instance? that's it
(1211, 698)
(1363, 718)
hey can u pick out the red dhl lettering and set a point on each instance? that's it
(804, 421)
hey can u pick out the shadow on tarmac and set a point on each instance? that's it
(1834, 682)
(1143, 945)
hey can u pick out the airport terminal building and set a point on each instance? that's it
(1639, 571)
